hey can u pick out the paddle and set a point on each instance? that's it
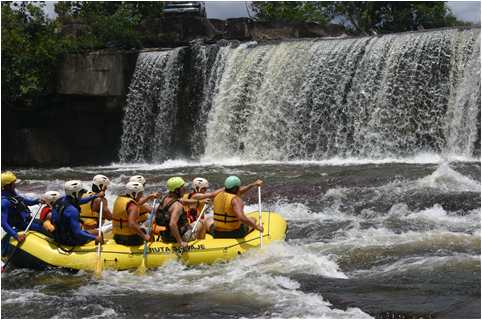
(197, 221)
(260, 218)
(20, 243)
(98, 267)
(142, 267)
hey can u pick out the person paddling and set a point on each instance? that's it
(229, 218)
(15, 212)
(199, 192)
(144, 207)
(170, 214)
(66, 215)
(89, 212)
(127, 217)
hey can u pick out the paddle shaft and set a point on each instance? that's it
(149, 226)
(199, 218)
(100, 226)
(20, 243)
(260, 217)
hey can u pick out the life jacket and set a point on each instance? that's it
(192, 212)
(224, 216)
(15, 218)
(163, 216)
(44, 212)
(120, 218)
(46, 223)
(62, 232)
(88, 217)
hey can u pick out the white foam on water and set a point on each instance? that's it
(422, 263)
(296, 211)
(23, 296)
(441, 217)
(448, 180)
(259, 275)
(206, 161)
(356, 238)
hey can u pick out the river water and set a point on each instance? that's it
(379, 238)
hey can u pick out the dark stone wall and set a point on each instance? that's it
(78, 125)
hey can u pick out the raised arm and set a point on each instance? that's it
(246, 188)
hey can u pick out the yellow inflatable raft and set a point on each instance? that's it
(120, 257)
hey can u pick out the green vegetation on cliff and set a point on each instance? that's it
(33, 44)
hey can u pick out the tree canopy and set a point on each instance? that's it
(362, 17)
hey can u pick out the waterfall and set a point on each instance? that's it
(151, 106)
(373, 97)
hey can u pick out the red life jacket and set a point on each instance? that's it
(45, 211)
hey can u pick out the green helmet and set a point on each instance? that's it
(231, 182)
(175, 183)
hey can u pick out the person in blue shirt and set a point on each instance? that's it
(66, 216)
(15, 212)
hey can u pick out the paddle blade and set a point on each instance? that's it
(142, 268)
(98, 268)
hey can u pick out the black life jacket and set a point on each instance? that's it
(15, 218)
(63, 233)
(163, 216)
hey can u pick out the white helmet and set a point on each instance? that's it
(134, 188)
(50, 197)
(73, 188)
(139, 179)
(199, 183)
(101, 181)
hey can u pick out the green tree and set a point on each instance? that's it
(362, 17)
(30, 47)
(392, 16)
(290, 11)
(109, 23)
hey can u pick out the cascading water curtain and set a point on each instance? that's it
(371, 97)
(151, 107)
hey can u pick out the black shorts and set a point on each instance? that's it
(238, 233)
(134, 240)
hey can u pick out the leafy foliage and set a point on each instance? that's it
(32, 44)
(392, 16)
(362, 17)
(290, 11)
(30, 47)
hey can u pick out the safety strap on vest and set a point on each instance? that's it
(125, 220)
(18, 206)
(224, 218)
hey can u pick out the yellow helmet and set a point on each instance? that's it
(7, 178)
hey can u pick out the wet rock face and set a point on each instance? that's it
(72, 130)
(100, 73)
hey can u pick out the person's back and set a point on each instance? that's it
(171, 215)
(229, 218)
(224, 216)
(15, 213)
(126, 217)
(89, 212)
(66, 217)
